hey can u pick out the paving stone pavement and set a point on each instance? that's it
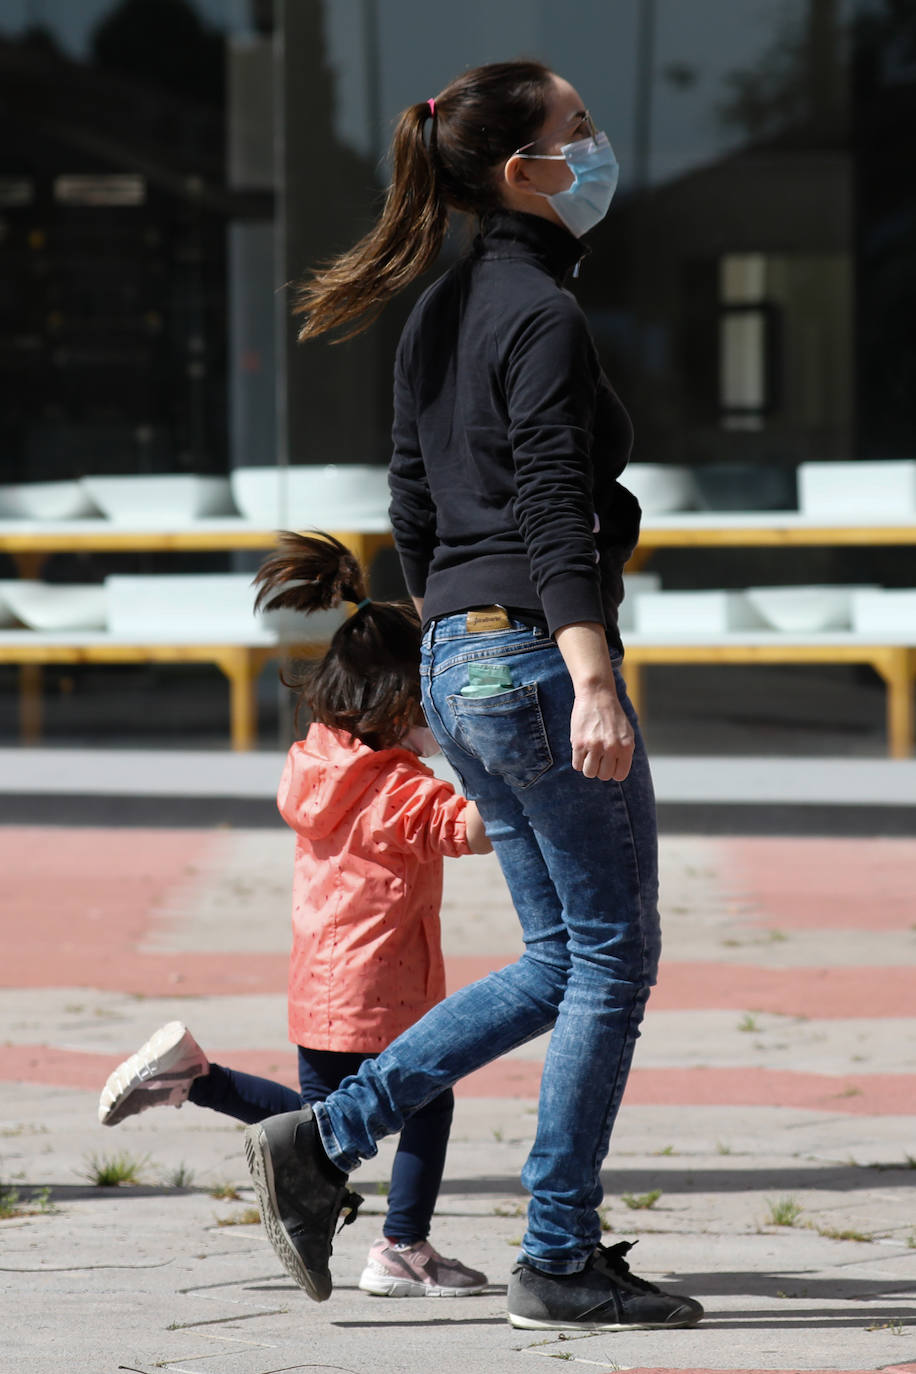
(774, 1076)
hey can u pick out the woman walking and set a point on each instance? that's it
(512, 531)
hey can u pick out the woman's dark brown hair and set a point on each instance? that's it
(444, 154)
(368, 683)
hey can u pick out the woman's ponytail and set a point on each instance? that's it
(349, 292)
(446, 153)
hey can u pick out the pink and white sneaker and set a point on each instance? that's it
(160, 1074)
(417, 1271)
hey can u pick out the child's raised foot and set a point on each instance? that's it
(160, 1074)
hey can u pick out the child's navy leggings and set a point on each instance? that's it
(420, 1159)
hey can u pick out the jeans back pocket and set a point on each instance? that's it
(505, 732)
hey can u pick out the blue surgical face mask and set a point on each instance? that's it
(595, 171)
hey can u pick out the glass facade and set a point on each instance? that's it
(169, 167)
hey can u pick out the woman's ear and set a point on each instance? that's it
(516, 175)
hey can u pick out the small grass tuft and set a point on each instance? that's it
(180, 1177)
(668, 1150)
(13, 1204)
(639, 1201)
(835, 1233)
(225, 1192)
(111, 1171)
(250, 1217)
(722, 1148)
(9, 1201)
(784, 1211)
(748, 1023)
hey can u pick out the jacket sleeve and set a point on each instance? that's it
(412, 513)
(420, 815)
(551, 381)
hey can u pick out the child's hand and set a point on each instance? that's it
(477, 836)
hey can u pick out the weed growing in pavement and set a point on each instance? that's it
(722, 1149)
(748, 1023)
(516, 1209)
(182, 1177)
(785, 1211)
(834, 1233)
(9, 1201)
(225, 1192)
(250, 1217)
(13, 1204)
(911, 1241)
(668, 1150)
(638, 1201)
(895, 1326)
(110, 1171)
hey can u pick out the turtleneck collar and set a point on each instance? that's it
(510, 234)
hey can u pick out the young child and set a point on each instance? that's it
(372, 824)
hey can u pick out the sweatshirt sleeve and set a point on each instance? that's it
(552, 378)
(421, 815)
(411, 511)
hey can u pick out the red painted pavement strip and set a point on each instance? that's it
(827, 993)
(108, 968)
(107, 965)
(821, 884)
(856, 1095)
(734, 1369)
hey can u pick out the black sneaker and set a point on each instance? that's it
(604, 1296)
(300, 1196)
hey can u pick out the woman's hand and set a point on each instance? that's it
(601, 735)
(599, 729)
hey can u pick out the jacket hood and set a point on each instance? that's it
(327, 777)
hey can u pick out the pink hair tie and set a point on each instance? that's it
(432, 105)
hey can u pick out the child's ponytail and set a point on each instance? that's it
(368, 683)
(308, 573)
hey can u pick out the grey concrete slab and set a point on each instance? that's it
(735, 777)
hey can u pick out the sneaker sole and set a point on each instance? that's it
(533, 1324)
(120, 1106)
(378, 1287)
(260, 1166)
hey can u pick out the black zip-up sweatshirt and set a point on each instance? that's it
(508, 439)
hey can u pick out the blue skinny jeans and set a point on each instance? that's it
(580, 860)
(416, 1172)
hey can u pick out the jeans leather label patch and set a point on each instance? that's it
(487, 619)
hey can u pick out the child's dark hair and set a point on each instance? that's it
(368, 683)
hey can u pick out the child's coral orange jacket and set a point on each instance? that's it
(371, 829)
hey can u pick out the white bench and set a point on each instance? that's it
(240, 662)
(893, 660)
